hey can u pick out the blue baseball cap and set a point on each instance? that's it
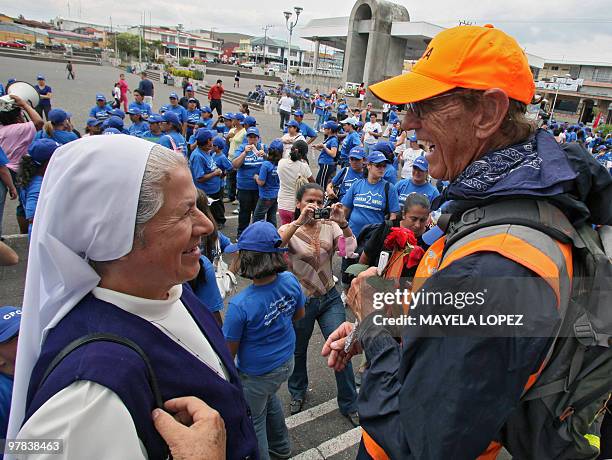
(102, 115)
(155, 118)
(276, 145)
(41, 150)
(385, 147)
(413, 138)
(10, 319)
(599, 148)
(100, 97)
(57, 116)
(227, 115)
(357, 152)
(163, 109)
(239, 116)
(192, 99)
(293, 123)
(111, 131)
(377, 157)
(40, 77)
(421, 163)
(260, 236)
(117, 113)
(203, 135)
(350, 121)
(330, 125)
(134, 111)
(298, 113)
(252, 131)
(173, 96)
(94, 122)
(206, 109)
(172, 118)
(188, 88)
(113, 122)
(393, 107)
(219, 142)
(250, 121)
(360, 124)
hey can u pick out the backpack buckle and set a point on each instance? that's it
(585, 334)
(471, 216)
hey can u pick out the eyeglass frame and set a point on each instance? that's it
(413, 107)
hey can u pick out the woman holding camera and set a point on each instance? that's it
(313, 237)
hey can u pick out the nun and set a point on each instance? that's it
(110, 329)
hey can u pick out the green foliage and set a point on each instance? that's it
(184, 62)
(181, 73)
(197, 75)
(127, 43)
(605, 129)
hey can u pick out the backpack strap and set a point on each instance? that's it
(387, 185)
(103, 337)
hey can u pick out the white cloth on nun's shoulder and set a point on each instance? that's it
(92, 418)
(86, 211)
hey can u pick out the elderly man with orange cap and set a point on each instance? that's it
(490, 347)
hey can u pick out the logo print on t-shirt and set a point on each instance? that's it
(283, 306)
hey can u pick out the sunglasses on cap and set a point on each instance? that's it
(417, 108)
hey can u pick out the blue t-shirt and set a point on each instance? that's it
(177, 138)
(324, 158)
(222, 129)
(61, 137)
(320, 107)
(3, 158)
(348, 179)
(194, 115)
(390, 173)
(149, 136)
(250, 167)
(405, 187)
(367, 203)
(342, 108)
(6, 392)
(269, 173)
(393, 116)
(43, 92)
(96, 109)
(138, 129)
(32, 192)
(180, 112)
(208, 291)
(145, 108)
(2, 90)
(351, 140)
(208, 122)
(261, 318)
(393, 133)
(200, 164)
(223, 162)
(307, 131)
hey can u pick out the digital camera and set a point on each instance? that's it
(322, 213)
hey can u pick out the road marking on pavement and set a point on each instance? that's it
(309, 415)
(331, 447)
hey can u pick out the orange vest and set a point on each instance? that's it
(548, 258)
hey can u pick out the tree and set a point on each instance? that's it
(152, 47)
(127, 43)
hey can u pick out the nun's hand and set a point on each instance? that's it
(196, 432)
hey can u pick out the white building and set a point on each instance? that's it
(182, 44)
(272, 49)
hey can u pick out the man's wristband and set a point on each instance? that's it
(343, 227)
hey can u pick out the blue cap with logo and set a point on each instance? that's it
(203, 135)
(219, 142)
(163, 109)
(134, 111)
(250, 121)
(330, 125)
(276, 145)
(260, 236)
(252, 131)
(113, 122)
(206, 109)
(155, 118)
(10, 319)
(40, 77)
(298, 113)
(57, 116)
(357, 152)
(172, 118)
(189, 88)
(100, 97)
(239, 117)
(173, 96)
(102, 115)
(293, 123)
(94, 122)
(377, 157)
(421, 163)
(111, 131)
(41, 150)
(117, 113)
(385, 147)
(226, 115)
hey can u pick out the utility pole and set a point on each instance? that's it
(265, 29)
(140, 42)
(290, 27)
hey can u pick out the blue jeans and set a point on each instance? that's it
(267, 410)
(328, 310)
(319, 123)
(266, 209)
(367, 148)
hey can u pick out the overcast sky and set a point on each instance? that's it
(553, 29)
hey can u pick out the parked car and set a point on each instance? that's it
(12, 45)
(247, 65)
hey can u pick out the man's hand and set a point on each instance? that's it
(18, 100)
(333, 348)
(12, 192)
(197, 432)
(361, 294)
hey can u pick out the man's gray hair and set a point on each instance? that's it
(161, 163)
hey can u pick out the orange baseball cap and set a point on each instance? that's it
(467, 57)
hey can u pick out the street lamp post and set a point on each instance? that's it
(552, 110)
(290, 27)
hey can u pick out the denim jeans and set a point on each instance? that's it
(266, 209)
(3, 193)
(230, 186)
(328, 310)
(247, 200)
(319, 123)
(267, 410)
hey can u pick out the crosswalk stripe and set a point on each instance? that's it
(332, 446)
(309, 415)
